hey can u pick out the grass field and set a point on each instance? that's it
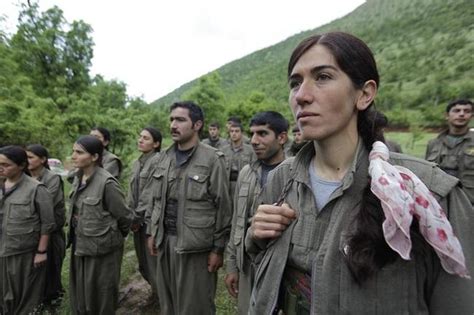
(225, 304)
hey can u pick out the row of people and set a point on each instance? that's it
(320, 233)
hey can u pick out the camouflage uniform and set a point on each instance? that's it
(315, 243)
(188, 214)
(99, 221)
(456, 159)
(26, 213)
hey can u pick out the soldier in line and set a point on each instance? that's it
(453, 149)
(345, 226)
(269, 131)
(26, 222)
(298, 142)
(99, 221)
(149, 144)
(188, 216)
(237, 154)
(39, 169)
(235, 120)
(110, 162)
(214, 139)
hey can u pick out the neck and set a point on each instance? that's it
(36, 172)
(334, 157)
(188, 144)
(236, 144)
(458, 131)
(87, 172)
(12, 181)
(275, 159)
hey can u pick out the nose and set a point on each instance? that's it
(254, 139)
(304, 94)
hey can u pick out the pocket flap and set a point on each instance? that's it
(200, 178)
(200, 222)
(91, 201)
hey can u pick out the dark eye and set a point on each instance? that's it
(322, 77)
(294, 83)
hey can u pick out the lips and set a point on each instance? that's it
(305, 114)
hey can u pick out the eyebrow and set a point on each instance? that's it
(315, 70)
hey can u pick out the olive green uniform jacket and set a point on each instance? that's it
(315, 242)
(246, 193)
(221, 142)
(457, 160)
(57, 239)
(112, 164)
(146, 262)
(26, 213)
(99, 221)
(235, 160)
(204, 210)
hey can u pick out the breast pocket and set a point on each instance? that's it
(91, 207)
(197, 186)
(468, 157)
(20, 209)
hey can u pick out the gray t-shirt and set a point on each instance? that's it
(322, 189)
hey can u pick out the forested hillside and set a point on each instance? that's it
(424, 50)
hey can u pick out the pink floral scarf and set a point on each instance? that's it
(403, 196)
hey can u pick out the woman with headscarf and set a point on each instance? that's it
(26, 221)
(149, 144)
(346, 227)
(39, 169)
(99, 221)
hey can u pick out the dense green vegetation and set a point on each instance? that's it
(423, 49)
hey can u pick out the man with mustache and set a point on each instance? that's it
(453, 149)
(269, 134)
(188, 216)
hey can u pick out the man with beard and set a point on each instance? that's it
(453, 149)
(188, 216)
(269, 134)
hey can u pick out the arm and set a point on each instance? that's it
(114, 202)
(55, 186)
(44, 207)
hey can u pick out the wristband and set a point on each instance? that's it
(41, 252)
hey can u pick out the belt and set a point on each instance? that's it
(234, 174)
(171, 213)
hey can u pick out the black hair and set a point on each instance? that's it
(156, 135)
(369, 251)
(234, 119)
(237, 125)
(215, 124)
(93, 146)
(295, 129)
(195, 112)
(275, 121)
(458, 102)
(17, 155)
(39, 151)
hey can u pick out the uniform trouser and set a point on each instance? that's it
(56, 253)
(185, 286)
(21, 284)
(146, 262)
(94, 283)
(246, 276)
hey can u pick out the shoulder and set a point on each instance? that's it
(429, 173)
(207, 151)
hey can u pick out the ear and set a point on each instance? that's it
(367, 95)
(282, 137)
(156, 144)
(106, 143)
(95, 157)
(197, 125)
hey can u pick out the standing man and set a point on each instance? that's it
(298, 142)
(269, 134)
(237, 154)
(214, 139)
(188, 216)
(453, 149)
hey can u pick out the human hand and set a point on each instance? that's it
(40, 260)
(151, 246)
(214, 262)
(270, 221)
(232, 283)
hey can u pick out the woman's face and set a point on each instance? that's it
(82, 159)
(8, 168)
(322, 97)
(146, 143)
(100, 136)
(34, 162)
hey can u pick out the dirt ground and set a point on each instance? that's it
(136, 298)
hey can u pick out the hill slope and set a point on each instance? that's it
(423, 49)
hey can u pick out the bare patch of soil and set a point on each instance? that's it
(137, 298)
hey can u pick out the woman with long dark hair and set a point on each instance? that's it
(26, 221)
(345, 226)
(99, 221)
(39, 169)
(149, 144)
